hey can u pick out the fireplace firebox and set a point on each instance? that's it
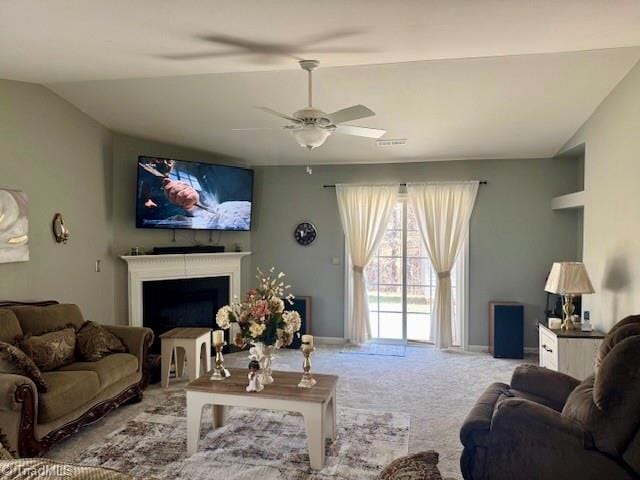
(185, 302)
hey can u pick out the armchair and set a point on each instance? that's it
(548, 425)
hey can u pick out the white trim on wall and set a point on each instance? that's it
(485, 349)
(329, 340)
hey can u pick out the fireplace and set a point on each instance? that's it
(184, 302)
(149, 268)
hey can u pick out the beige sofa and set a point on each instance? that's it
(79, 393)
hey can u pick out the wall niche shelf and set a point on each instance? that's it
(568, 201)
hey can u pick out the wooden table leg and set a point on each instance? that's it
(194, 419)
(218, 415)
(179, 354)
(331, 418)
(193, 362)
(165, 361)
(207, 353)
(314, 421)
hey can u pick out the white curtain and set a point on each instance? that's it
(364, 211)
(442, 211)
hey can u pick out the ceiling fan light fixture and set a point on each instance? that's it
(310, 136)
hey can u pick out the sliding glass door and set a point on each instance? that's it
(401, 283)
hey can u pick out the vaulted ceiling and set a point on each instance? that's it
(458, 79)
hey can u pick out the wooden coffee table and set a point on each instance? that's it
(317, 405)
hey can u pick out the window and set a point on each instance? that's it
(401, 283)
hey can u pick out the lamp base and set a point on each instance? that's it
(568, 310)
(568, 324)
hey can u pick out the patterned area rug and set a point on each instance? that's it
(252, 444)
(384, 349)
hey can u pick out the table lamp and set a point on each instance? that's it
(568, 279)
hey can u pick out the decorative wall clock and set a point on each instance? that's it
(305, 233)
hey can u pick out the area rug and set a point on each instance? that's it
(252, 444)
(385, 349)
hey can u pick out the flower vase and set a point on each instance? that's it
(264, 355)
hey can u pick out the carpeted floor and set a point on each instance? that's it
(372, 348)
(436, 388)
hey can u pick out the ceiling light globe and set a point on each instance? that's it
(311, 137)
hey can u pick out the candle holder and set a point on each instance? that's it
(219, 372)
(307, 380)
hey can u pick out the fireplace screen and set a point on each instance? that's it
(190, 302)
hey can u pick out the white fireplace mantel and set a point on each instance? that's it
(143, 268)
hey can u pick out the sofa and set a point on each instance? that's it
(545, 424)
(78, 393)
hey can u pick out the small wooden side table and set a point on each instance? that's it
(572, 352)
(185, 343)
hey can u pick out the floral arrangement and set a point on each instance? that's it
(261, 316)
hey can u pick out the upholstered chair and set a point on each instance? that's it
(548, 425)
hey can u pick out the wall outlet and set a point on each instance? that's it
(336, 261)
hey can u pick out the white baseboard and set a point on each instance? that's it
(329, 340)
(485, 348)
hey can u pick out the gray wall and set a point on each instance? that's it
(612, 210)
(125, 155)
(66, 162)
(514, 237)
(62, 160)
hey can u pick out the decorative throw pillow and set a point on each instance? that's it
(51, 350)
(419, 466)
(15, 361)
(94, 342)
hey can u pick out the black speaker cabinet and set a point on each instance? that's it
(506, 329)
(302, 305)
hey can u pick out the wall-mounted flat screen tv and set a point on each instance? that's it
(176, 194)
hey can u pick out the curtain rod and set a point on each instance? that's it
(482, 182)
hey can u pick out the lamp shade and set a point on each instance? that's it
(568, 278)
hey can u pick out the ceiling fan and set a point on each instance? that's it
(270, 52)
(311, 126)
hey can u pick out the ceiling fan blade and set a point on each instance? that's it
(231, 41)
(325, 37)
(337, 50)
(249, 46)
(351, 113)
(278, 114)
(198, 56)
(359, 131)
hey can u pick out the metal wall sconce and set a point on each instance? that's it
(60, 232)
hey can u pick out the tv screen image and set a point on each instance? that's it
(177, 194)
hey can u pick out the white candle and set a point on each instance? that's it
(307, 339)
(218, 337)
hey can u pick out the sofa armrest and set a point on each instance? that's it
(531, 441)
(9, 384)
(137, 340)
(18, 400)
(545, 383)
